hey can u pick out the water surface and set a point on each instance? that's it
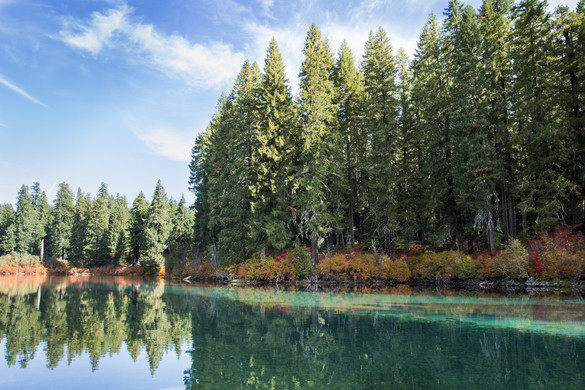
(126, 333)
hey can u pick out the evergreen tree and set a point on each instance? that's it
(379, 70)
(569, 45)
(543, 184)
(182, 233)
(43, 216)
(138, 216)
(200, 170)
(473, 152)
(25, 222)
(79, 230)
(430, 92)
(230, 154)
(157, 230)
(7, 232)
(316, 152)
(116, 236)
(350, 100)
(409, 178)
(96, 251)
(495, 28)
(62, 219)
(270, 164)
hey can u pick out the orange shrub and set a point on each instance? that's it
(430, 264)
(397, 270)
(511, 262)
(271, 268)
(351, 266)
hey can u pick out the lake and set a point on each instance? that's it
(91, 332)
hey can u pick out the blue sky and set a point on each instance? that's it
(116, 91)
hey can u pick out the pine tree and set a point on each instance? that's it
(349, 85)
(569, 45)
(230, 154)
(409, 190)
(79, 231)
(62, 219)
(543, 184)
(138, 215)
(429, 91)
(473, 150)
(42, 215)
(381, 112)
(116, 236)
(270, 160)
(7, 229)
(495, 28)
(316, 152)
(25, 222)
(96, 251)
(200, 171)
(157, 230)
(182, 233)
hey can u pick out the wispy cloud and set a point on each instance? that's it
(166, 141)
(20, 91)
(210, 64)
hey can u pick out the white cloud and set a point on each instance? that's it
(98, 32)
(168, 142)
(209, 65)
(20, 91)
(266, 5)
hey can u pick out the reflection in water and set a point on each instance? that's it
(241, 337)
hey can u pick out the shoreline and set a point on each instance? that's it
(509, 285)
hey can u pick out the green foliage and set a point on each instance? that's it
(158, 226)
(7, 233)
(300, 260)
(61, 225)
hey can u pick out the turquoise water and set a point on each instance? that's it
(126, 333)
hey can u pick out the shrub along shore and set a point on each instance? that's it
(554, 259)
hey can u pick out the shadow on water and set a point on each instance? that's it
(264, 337)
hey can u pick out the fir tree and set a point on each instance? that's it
(543, 184)
(271, 160)
(350, 100)
(7, 229)
(316, 152)
(138, 215)
(25, 222)
(62, 219)
(157, 230)
(182, 233)
(382, 113)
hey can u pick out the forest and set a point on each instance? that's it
(476, 141)
(97, 231)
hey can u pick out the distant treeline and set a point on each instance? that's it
(479, 139)
(98, 231)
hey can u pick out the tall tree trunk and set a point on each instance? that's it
(490, 229)
(388, 245)
(314, 248)
(505, 223)
(512, 213)
(351, 199)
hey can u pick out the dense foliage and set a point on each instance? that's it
(476, 141)
(98, 231)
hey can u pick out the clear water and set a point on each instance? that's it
(125, 333)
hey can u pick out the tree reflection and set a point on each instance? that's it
(263, 338)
